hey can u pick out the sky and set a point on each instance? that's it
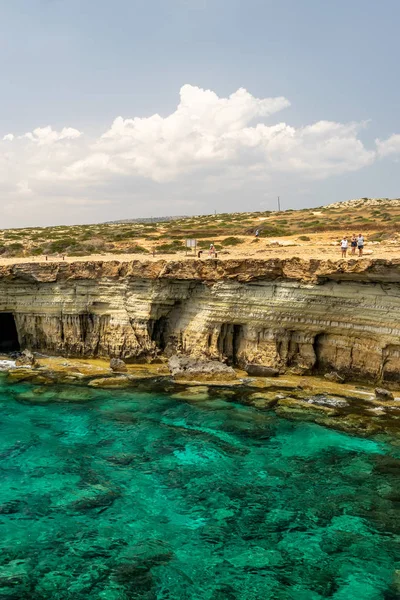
(139, 108)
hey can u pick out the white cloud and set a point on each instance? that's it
(23, 187)
(213, 143)
(46, 135)
(389, 146)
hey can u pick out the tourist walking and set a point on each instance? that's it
(344, 244)
(360, 244)
(353, 244)
(211, 251)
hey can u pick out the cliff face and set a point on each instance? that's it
(305, 316)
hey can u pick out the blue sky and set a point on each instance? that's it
(76, 66)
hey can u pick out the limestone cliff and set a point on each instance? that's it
(306, 316)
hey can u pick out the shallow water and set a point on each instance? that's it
(137, 495)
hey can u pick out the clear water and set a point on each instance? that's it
(136, 495)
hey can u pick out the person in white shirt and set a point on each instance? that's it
(344, 245)
(360, 244)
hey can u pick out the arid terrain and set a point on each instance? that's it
(306, 233)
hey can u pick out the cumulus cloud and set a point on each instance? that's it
(46, 136)
(389, 146)
(209, 141)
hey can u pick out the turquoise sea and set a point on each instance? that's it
(134, 494)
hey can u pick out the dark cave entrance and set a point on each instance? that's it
(158, 331)
(8, 333)
(229, 342)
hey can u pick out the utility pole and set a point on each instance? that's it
(279, 204)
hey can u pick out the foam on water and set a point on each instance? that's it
(138, 495)
(6, 365)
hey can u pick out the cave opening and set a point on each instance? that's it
(8, 333)
(320, 364)
(229, 342)
(158, 332)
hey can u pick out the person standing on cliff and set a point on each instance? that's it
(344, 244)
(353, 244)
(360, 244)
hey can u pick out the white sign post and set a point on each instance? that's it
(191, 244)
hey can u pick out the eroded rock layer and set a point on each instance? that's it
(306, 316)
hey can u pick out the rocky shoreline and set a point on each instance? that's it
(351, 408)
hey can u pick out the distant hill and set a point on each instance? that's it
(148, 220)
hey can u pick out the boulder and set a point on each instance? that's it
(261, 371)
(184, 367)
(382, 394)
(334, 377)
(117, 365)
(25, 359)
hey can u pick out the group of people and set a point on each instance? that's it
(356, 243)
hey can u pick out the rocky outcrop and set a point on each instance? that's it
(302, 316)
(261, 371)
(118, 365)
(184, 367)
(382, 394)
(25, 359)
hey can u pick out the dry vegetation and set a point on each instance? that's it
(232, 233)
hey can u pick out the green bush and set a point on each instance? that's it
(272, 232)
(304, 238)
(62, 244)
(231, 241)
(171, 248)
(136, 249)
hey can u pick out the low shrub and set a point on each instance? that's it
(231, 241)
(304, 238)
(61, 245)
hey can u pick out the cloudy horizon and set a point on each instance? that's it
(190, 148)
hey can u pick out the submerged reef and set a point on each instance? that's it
(194, 491)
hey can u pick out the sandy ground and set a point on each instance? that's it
(321, 246)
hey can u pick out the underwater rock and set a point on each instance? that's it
(121, 459)
(74, 394)
(98, 500)
(261, 371)
(185, 367)
(118, 365)
(11, 508)
(134, 570)
(302, 409)
(198, 393)
(36, 396)
(387, 465)
(357, 424)
(110, 382)
(264, 399)
(382, 394)
(148, 553)
(13, 573)
(334, 377)
(256, 558)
